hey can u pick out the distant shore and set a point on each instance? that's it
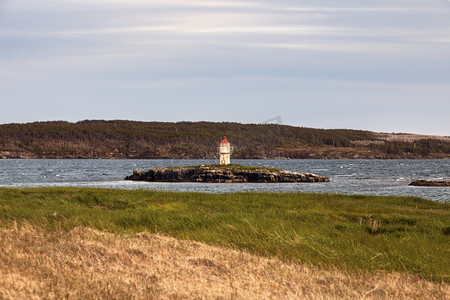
(312, 155)
(100, 139)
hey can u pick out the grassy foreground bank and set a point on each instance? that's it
(86, 263)
(350, 233)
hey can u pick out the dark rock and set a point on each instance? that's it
(430, 183)
(230, 174)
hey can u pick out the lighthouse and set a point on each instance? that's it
(225, 151)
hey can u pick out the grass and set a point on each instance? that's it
(355, 234)
(230, 166)
(85, 263)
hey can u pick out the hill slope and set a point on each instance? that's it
(131, 139)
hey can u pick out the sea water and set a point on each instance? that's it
(368, 177)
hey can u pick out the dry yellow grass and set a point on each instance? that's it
(88, 264)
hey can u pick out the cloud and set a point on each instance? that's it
(318, 53)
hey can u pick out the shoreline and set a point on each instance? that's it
(214, 158)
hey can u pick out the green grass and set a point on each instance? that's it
(354, 233)
(230, 166)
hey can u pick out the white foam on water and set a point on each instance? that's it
(382, 177)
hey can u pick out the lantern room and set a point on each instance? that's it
(225, 151)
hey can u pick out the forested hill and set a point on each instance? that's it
(130, 139)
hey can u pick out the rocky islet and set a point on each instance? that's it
(223, 174)
(430, 183)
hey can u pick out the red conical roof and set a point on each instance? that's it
(225, 141)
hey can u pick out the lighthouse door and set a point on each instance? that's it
(224, 159)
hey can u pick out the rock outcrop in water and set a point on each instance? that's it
(430, 183)
(227, 174)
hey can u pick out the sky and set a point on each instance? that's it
(379, 65)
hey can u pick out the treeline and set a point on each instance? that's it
(422, 147)
(130, 139)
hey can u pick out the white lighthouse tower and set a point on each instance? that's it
(225, 152)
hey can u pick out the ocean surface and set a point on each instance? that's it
(368, 177)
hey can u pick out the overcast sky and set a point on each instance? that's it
(381, 65)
